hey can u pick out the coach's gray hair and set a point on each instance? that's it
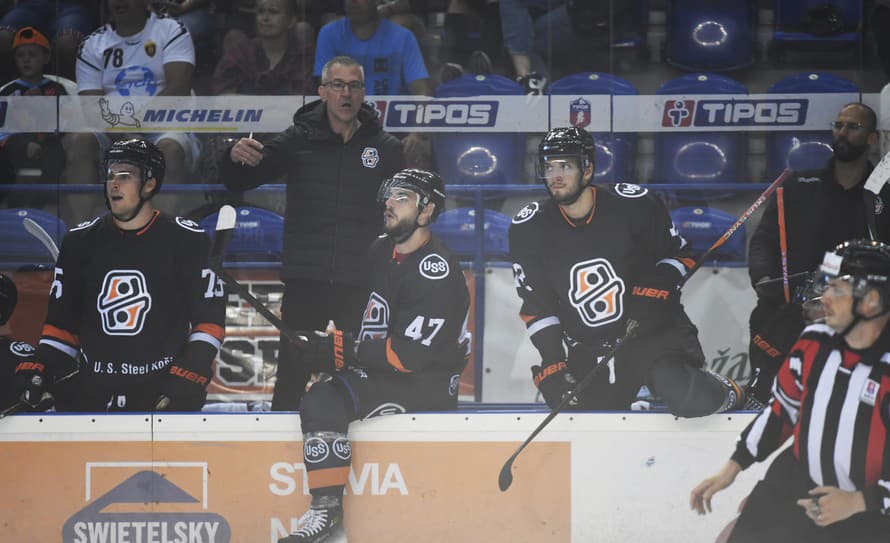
(342, 60)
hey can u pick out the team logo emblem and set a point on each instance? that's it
(189, 224)
(342, 448)
(370, 157)
(375, 320)
(629, 190)
(126, 117)
(579, 112)
(519, 278)
(595, 292)
(123, 302)
(879, 205)
(315, 450)
(526, 213)
(678, 113)
(20, 348)
(433, 267)
(870, 392)
(151, 48)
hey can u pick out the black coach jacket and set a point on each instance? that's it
(332, 215)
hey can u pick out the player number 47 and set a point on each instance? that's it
(215, 287)
(417, 327)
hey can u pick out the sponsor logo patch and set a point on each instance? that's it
(189, 224)
(315, 450)
(20, 348)
(526, 213)
(870, 392)
(434, 267)
(342, 448)
(579, 112)
(734, 112)
(440, 114)
(629, 190)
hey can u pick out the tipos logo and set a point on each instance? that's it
(595, 292)
(123, 302)
(119, 515)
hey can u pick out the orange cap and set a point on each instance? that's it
(30, 36)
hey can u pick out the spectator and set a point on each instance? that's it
(136, 54)
(65, 21)
(388, 53)
(277, 61)
(335, 155)
(412, 347)
(822, 208)
(556, 30)
(832, 485)
(134, 298)
(43, 150)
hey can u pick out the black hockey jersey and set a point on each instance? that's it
(11, 353)
(132, 301)
(416, 316)
(576, 276)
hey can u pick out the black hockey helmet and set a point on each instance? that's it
(567, 142)
(428, 185)
(9, 296)
(141, 153)
(862, 262)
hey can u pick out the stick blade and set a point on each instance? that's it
(225, 225)
(505, 477)
(226, 218)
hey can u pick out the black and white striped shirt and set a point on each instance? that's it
(835, 401)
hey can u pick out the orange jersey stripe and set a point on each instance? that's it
(61, 335)
(211, 329)
(322, 478)
(688, 262)
(393, 358)
(527, 318)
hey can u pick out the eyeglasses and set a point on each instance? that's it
(339, 86)
(851, 127)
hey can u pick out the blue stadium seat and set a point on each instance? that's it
(258, 236)
(703, 35)
(805, 150)
(18, 247)
(702, 226)
(457, 228)
(796, 20)
(699, 157)
(476, 158)
(615, 152)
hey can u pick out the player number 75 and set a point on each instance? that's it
(214, 284)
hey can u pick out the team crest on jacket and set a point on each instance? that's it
(123, 302)
(370, 157)
(629, 190)
(526, 213)
(375, 319)
(433, 267)
(595, 292)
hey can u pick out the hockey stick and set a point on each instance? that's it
(505, 477)
(873, 186)
(741, 220)
(42, 236)
(225, 225)
(783, 241)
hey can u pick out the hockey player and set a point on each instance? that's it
(412, 346)
(832, 394)
(11, 351)
(588, 259)
(132, 292)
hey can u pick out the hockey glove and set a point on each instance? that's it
(328, 352)
(182, 389)
(655, 297)
(554, 381)
(770, 344)
(534, 84)
(33, 380)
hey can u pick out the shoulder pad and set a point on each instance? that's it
(188, 224)
(526, 213)
(86, 225)
(434, 266)
(629, 190)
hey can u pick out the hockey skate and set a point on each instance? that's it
(319, 524)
